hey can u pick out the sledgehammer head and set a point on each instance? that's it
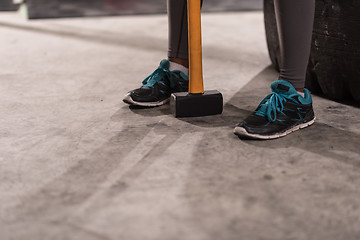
(185, 104)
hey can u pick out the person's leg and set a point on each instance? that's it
(285, 110)
(178, 32)
(295, 20)
(172, 74)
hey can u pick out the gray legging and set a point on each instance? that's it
(295, 19)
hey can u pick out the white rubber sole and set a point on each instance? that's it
(127, 99)
(240, 131)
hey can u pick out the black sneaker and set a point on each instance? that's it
(158, 87)
(280, 113)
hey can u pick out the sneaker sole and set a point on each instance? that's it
(240, 131)
(127, 99)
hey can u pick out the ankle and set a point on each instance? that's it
(181, 61)
(300, 91)
(178, 67)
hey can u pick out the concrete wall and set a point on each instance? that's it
(8, 5)
(71, 8)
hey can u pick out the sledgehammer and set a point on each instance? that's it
(196, 102)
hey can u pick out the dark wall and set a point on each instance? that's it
(8, 5)
(77, 8)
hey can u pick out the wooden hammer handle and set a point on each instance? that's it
(196, 84)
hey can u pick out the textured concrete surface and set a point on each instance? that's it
(77, 163)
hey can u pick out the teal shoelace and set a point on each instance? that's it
(160, 73)
(270, 105)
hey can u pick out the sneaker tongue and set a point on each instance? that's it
(165, 64)
(283, 87)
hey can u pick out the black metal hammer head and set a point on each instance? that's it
(185, 104)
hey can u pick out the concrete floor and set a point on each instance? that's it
(77, 163)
